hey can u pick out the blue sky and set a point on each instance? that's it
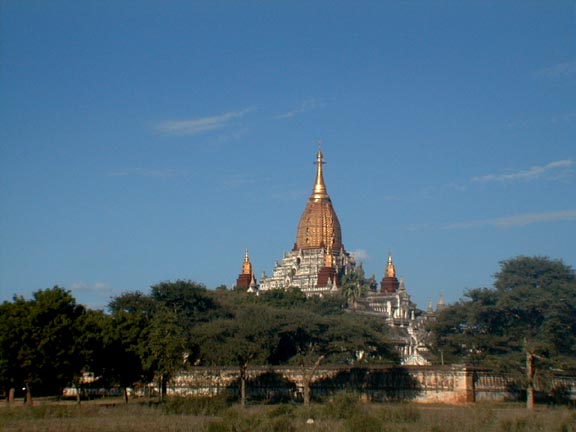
(144, 141)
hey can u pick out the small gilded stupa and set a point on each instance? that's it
(246, 279)
(389, 283)
(318, 259)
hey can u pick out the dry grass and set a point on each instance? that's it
(343, 413)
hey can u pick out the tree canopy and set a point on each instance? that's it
(532, 308)
(39, 341)
(527, 319)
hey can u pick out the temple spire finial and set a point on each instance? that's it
(246, 265)
(390, 270)
(319, 191)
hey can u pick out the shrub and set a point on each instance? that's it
(364, 423)
(281, 410)
(399, 413)
(196, 405)
(343, 405)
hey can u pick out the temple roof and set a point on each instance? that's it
(319, 226)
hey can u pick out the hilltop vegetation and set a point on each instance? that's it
(530, 309)
(525, 324)
(46, 342)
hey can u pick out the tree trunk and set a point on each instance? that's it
(11, 394)
(308, 379)
(161, 388)
(530, 372)
(125, 394)
(78, 395)
(28, 396)
(306, 392)
(243, 386)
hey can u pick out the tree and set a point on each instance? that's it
(92, 349)
(39, 342)
(309, 340)
(529, 317)
(522, 272)
(354, 287)
(247, 338)
(14, 328)
(126, 338)
(189, 300)
(283, 298)
(166, 349)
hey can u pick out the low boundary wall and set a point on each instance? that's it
(422, 384)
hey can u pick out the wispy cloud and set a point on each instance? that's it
(202, 124)
(307, 105)
(433, 191)
(519, 220)
(559, 70)
(568, 117)
(95, 295)
(418, 227)
(360, 254)
(96, 287)
(556, 168)
(142, 172)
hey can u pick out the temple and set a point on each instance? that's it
(318, 259)
(318, 263)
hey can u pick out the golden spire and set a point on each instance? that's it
(319, 226)
(246, 265)
(319, 191)
(390, 270)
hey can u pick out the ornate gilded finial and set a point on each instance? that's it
(246, 265)
(390, 270)
(319, 191)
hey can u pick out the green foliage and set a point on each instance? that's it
(307, 338)
(133, 303)
(164, 352)
(152, 333)
(343, 405)
(190, 301)
(248, 336)
(524, 272)
(290, 298)
(204, 406)
(39, 341)
(127, 338)
(364, 422)
(532, 309)
(353, 287)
